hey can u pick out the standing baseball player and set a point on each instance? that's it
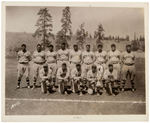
(78, 84)
(51, 61)
(63, 77)
(38, 61)
(94, 80)
(46, 76)
(88, 59)
(110, 77)
(74, 57)
(101, 57)
(128, 69)
(114, 57)
(23, 67)
(62, 56)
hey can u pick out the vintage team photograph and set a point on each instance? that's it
(74, 60)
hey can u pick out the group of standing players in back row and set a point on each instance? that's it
(78, 71)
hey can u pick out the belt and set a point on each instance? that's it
(128, 64)
(39, 63)
(115, 62)
(87, 63)
(23, 62)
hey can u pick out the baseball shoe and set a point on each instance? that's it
(81, 94)
(133, 89)
(34, 86)
(28, 86)
(18, 87)
(122, 89)
(66, 93)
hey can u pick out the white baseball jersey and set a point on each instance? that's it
(92, 76)
(74, 56)
(88, 57)
(63, 55)
(51, 57)
(128, 58)
(60, 72)
(107, 73)
(75, 73)
(24, 57)
(100, 56)
(44, 75)
(39, 57)
(114, 57)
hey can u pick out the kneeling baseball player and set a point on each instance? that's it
(110, 77)
(78, 84)
(63, 77)
(94, 81)
(46, 79)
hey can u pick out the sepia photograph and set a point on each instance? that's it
(76, 60)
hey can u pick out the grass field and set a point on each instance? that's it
(32, 102)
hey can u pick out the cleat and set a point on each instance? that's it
(28, 86)
(133, 89)
(80, 94)
(66, 93)
(122, 89)
(18, 87)
(114, 94)
(98, 94)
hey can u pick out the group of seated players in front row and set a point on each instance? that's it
(80, 72)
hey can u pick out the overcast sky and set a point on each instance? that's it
(116, 21)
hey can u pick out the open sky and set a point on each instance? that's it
(116, 21)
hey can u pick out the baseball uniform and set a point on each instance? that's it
(128, 65)
(45, 77)
(38, 60)
(23, 64)
(63, 77)
(74, 58)
(114, 58)
(62, 57)
(87, 59)
(101, 59)
(51, 61)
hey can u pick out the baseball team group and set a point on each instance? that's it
(75, 71)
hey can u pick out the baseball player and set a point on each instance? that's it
(46, 76)
(94, 80)
(128, 69)
(77, 80)
(101, 57)
(23, 68)
(38, 61)
(110, 77)
(114, 57)
(74, 57)
(63, 77)
(63, 56)
(87, 59)
(51, 60)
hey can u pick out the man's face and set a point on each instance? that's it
(51, 48)
(63, 46)
(63, 66)
(45, 68)
(88, 48)
(113, 48)
(110, 68)
(128, 48)
(75, 47)
(94, 69)
(78, 67)
(100, 48)
(39, 48)
(23, 48)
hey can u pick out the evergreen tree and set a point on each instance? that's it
(44, 26)
(65, 33)
(99, 35)
(81, 35)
